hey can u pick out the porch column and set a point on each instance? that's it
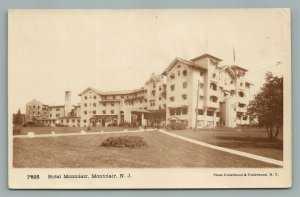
(143, 120)
(215, 113)
(204, 118)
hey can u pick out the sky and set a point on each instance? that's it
(51, 51)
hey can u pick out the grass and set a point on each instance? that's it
(161, 151)
(47, 130)
(251, 140)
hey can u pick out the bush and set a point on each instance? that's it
(17, 130)
(177, 126)
(124, 141)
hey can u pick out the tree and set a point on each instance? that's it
(18, 118)
(267, 106)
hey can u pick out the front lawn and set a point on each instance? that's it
(253, 141)
(85, 151)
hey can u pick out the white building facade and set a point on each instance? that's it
(199, 93)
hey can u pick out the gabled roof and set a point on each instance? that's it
(89, 88)
(238, 67)
(177, 59)
(230, 71)
(206, 55)
(35, 101)
(112, 92)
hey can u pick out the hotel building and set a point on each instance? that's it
(200, 92)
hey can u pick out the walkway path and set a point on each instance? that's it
(228, 150)
(32, 135)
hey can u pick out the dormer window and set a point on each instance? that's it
(184, 73)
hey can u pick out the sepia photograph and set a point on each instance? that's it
(149, 98)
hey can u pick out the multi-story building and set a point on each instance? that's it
(201, 93)
(53, 115)
(197, 93)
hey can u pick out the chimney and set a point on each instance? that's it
(67, 103)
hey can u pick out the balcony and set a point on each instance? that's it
(241, 109)
(242, 100)
(213, 104)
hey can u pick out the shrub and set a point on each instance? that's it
(177, 126)
(17, 130)
(124, 141)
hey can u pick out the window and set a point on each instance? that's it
(112, 111)
(172, 98)
(184, 73)
(172, 112)
(154, 85)
(184, 110)
(95, 97)
(85, 112)
(159, 98)
(104, 111)
(85, 97)
(85, 104)
(159, 88)
(213, 99)
(184, 84)
(104, 104)
(214, 75)
(241, 105)
(218, 114)
(122, 97)
(114, 97)
(73, 121)
(184, 96)
(152, 102)
(94, 104)
(245, 117)
(201, 85)
(57, 109)
(178, 72)
(61, 120)
(178, 111)
(200, 112)
(112, 104)
(172, 76)
(94, 112)
(241, 94)
(67, 120)
(104, 97)
(57, 115)
(231, 82)
(172, 87)
(210, 113)
(50, 115)
(153, 92)
(213, 86)
(84, 121)
(241, 84)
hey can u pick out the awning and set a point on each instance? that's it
(140, 111)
